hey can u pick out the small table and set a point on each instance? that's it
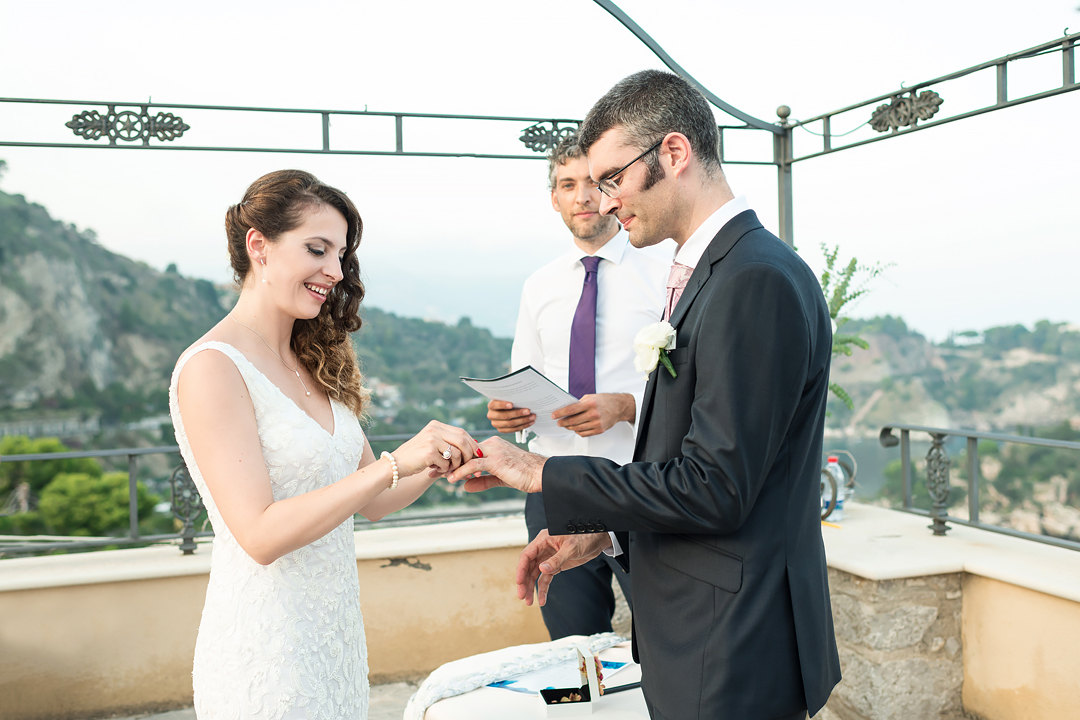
(493, 703)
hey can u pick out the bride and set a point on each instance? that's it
(265, 407)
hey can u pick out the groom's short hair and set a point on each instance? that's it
(647, 106)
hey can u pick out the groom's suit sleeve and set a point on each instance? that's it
(743, 355)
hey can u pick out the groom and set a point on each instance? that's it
(731, 601)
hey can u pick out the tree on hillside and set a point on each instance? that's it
(66, 496)
(38, 473)
(81, 504)
(1006, 337)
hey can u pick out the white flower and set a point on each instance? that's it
(650, 342)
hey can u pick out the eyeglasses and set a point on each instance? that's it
(609, 187)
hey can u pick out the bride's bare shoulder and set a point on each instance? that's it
(207, 366)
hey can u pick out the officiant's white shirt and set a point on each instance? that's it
(630, 295)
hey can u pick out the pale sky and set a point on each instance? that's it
(978, 219)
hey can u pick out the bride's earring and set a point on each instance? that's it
(263, 261)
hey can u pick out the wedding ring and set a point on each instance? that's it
(446, 453)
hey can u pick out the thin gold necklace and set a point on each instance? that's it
(295, 371)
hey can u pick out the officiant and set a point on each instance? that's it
(576, 325)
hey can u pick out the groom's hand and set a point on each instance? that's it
(548, 555)
(506, 465)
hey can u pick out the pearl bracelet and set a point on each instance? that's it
(393, 470)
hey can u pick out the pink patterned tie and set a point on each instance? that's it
(676, 283)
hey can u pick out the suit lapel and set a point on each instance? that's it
(720, 245)
(646, 410)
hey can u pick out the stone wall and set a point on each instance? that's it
(900, 648)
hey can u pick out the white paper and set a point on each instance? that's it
(527, 388)
(561, 675)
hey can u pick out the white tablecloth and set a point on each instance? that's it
(497, 704)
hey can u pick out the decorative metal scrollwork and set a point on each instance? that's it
(127, 125)
(186, 506)
(937, 482)
(905, 110)
(541, 138)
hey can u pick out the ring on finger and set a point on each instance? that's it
(446, 453)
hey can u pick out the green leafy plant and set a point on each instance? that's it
(81, 504)
(842, 285)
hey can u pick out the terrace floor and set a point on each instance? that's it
(387, 703)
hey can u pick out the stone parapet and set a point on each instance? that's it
(974, 624)
(900, 647)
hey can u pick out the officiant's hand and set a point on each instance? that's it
(595, 414)
(506, 418)
(548, 555)
(506, 465)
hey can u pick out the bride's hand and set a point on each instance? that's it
(439, 447)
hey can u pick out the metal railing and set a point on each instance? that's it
(187, 507)
(937, 476)
(915, 107)
(186, 504)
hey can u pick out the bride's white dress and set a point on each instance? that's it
(285, 640)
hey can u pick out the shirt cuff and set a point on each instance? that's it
(639, 398)
(616, 549)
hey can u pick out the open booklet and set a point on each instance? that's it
(527, 388)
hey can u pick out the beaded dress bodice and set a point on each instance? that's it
(284, 640)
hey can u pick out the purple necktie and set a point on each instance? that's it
(583, 335)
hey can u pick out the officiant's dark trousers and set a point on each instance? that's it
(580, 601)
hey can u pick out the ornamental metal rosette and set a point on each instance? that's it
(937, 482)
(543, 136)
(127, 125)
(905, 110)
(186, 505)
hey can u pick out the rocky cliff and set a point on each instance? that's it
(1000, 378)
(76, 319)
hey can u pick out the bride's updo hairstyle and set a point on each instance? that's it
(277, 203)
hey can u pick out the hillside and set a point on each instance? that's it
(78, 322)
(88, 333)
(999, 379)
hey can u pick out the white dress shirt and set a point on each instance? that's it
(630, 295)
(691, 251)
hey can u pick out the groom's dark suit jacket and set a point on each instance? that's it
(731, 601)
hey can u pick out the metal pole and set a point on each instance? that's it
(1068, 66)
(905, 467)
(782, 152)
(133, 500)
(644, 37)
(973, 479)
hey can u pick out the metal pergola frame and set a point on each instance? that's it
(158, 126)
(119, 125)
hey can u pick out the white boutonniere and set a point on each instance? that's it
(651, 345)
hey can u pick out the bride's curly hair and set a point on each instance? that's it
(277, 203)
